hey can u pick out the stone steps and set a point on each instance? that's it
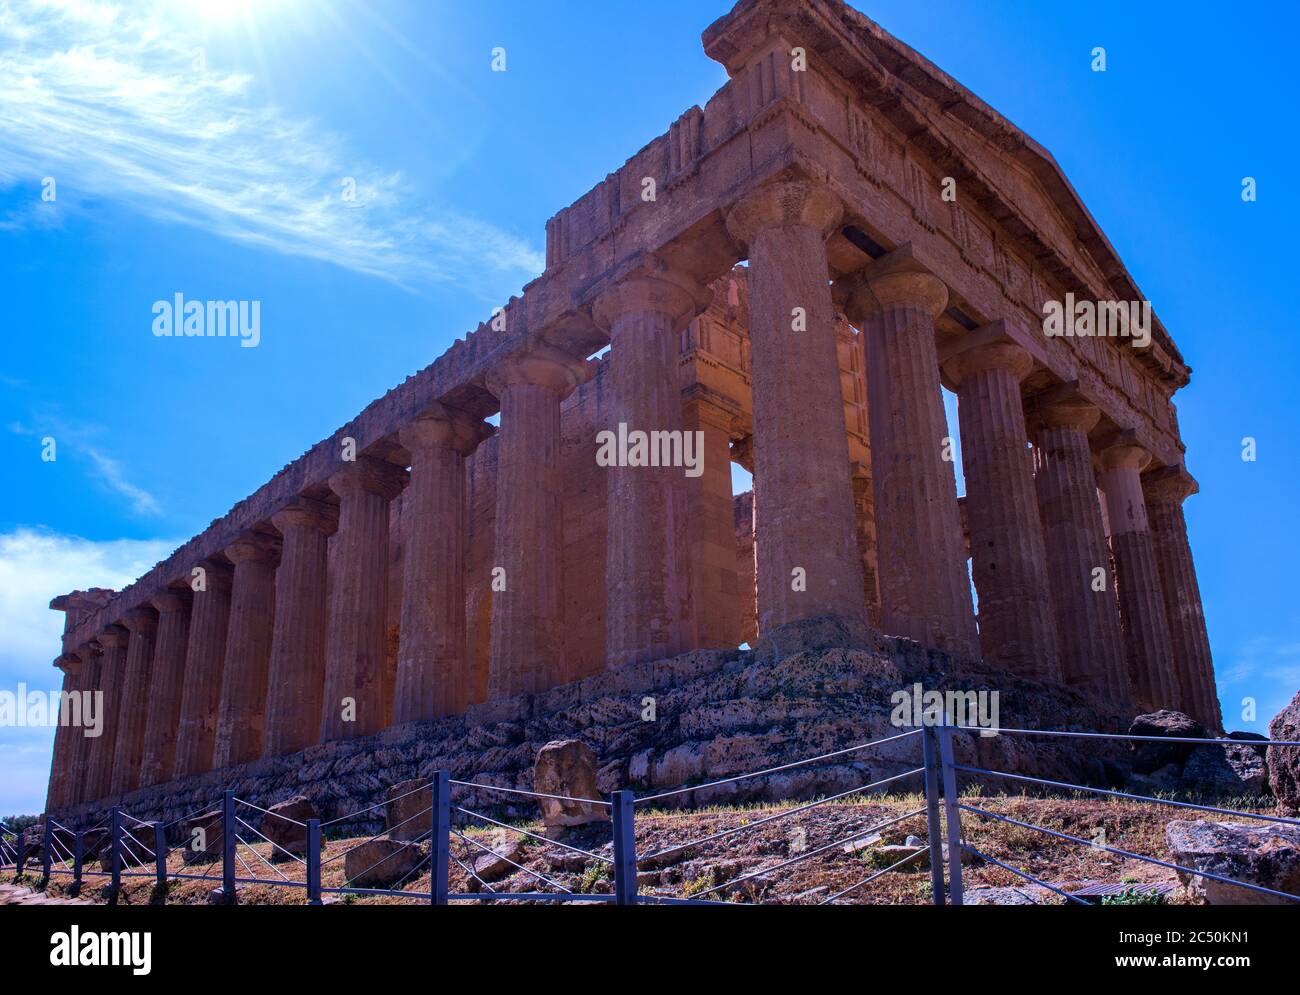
(16, 894)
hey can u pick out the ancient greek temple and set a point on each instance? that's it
(795, 271)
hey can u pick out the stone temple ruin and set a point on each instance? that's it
(897, 236)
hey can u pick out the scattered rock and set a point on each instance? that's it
(408, 810)
(1267, 855)
(380, 863)
(201, 838)
(1284, 761)
(497, 864)
(1231, 770)
(999, 896)
(1149, 757)
(290, 836)
(567, 767)
(1251, 737)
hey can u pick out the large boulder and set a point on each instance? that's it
(408, 810)
(285, 825)
(1265, 854)
(200, 841)
(567, 767)
(1284, 761)
(1149, 757)
(505, 851)
(380, 863)
(1233, 770)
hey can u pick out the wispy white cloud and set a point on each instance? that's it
(35, 566)
(97, 95)
(104, 469)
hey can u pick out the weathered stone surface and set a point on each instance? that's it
(567, 767)
(497, 864)
(1002, 896)
(1234, 770)
(288, 835)
(1266, 855)
(380, 863)
(200, 841)
(1284, 761)
(408, 809)
(1149, 756)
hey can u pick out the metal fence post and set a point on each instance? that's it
(624, 848)
(160, 853)
(951, 815)
(313, 862)
(78, 858)
(47, 849)
(934, 832)
(228, 847)
(440, 842)
(20, 852)
(115, 851)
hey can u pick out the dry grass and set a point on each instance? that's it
(697, 870)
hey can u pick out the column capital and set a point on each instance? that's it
(307, 513)
(1006, 356)
(369, 474)
(170, 601)
(783, 204)
(88, 651)
(1125, 454)
(1072, 413)
(1172, 484)
(216, 572)
(653, 287)
(141, 621)
(442, 427)
(250, 547)
(69, 663)
(114, 637)
(897, 279)
(712, 407)
(542, 366)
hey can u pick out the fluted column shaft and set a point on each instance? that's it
(205, 656)
(807, 560)
(1191, 643)
(433, 668)
(924, 587)
(1137, 579)
(238, 737)
(82, 747)
(297, 667)
(527, 646)
(1009, 565)
(112, 677)
(715, 598)
(358, 686)
(61, 760)
(646, 593)
(1090, 642)
(132, 712)
(165, 690)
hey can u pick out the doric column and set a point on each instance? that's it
(433, 670)
(1165, 490)
(297, 667)
(715, 610)
(248, 652)
(1137, 580)
(1090, 643)
(1009, 566)
(205, 656)
(112, 677)
(808, 562)
(527, 572)
(81, 751)
(358, 687)
(128, 750)
(924, 587)
(646, 594)
(165, 688)
(62, 758)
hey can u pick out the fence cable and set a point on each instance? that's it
(533, 836)
(880, 873)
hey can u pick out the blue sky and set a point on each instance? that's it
(202, 147)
